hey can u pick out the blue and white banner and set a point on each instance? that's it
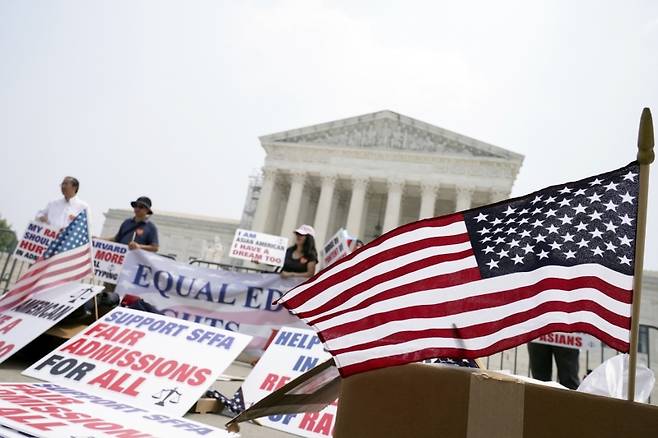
(235, 301)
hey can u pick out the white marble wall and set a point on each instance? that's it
(184, 236)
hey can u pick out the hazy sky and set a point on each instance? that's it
(168, 98)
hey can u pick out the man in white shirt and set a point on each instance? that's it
(58, 214)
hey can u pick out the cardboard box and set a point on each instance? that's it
(207, 405)
(420, 401)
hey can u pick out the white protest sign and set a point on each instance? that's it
(144, 359)
(35, 241)
(578, 341)
(259, 247)
(237, 301)
(50, 410)
(24, 322)
(6, 432)
(336, 248)
(108, 259)
(292, 352)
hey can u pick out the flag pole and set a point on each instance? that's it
(645, 156)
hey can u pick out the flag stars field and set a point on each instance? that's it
(558, 217)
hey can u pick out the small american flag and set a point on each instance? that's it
(474, 283)
(67, 259)
(235, 405)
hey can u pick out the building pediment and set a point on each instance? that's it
(392, 131)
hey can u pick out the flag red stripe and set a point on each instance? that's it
(489, 328)
(386, 276)
(437, 282)
(56, 271)
(374, 260)
(478, 302)
(503, 344)
(63, 280)
(42, 265)
(14, 296)
(430, 222)
(393, 252)
(7, 304)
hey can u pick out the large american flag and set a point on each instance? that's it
(67, 259)
(477, 282)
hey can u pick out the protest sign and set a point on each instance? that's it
(51, 410)
(108, 259)
(259, 247)
(24, 322)
(6, 432)
(34, 242)
(236, 301)
(336, 248)
(143, 359)
(578, 341)
(292, 352)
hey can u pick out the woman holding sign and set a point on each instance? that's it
(302, 257)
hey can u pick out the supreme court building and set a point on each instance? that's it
(371, 173)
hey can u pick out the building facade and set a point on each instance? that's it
(369, 174)
(372, 173)
(182, 236)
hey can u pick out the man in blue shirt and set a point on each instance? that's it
(137, 232)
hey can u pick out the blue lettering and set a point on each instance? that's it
(222, 295)
(305, 363)
(169, 281)
(283, 338)
(179, 286)
(232, 326)
(295, 339)
(252, 297)
(142, 272)
(205, 290)
(35, 228)
(271, 298)
(286, 418)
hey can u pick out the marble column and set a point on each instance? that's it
(324, 208)
(265, 200)
(428, 192)
(498, 195)
(355, 212)
(393, 201)
(293, 204)
(464, 197)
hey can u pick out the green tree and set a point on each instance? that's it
(7, 236)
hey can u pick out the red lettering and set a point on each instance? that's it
(50, 233)
(282, 381)
(31, 247)
(308, 420)
(7, 328)
(5, 348)
(269, 382)
(40, 426)
(105, 379)
(324, 425)
(273, 382)
(108, 256)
